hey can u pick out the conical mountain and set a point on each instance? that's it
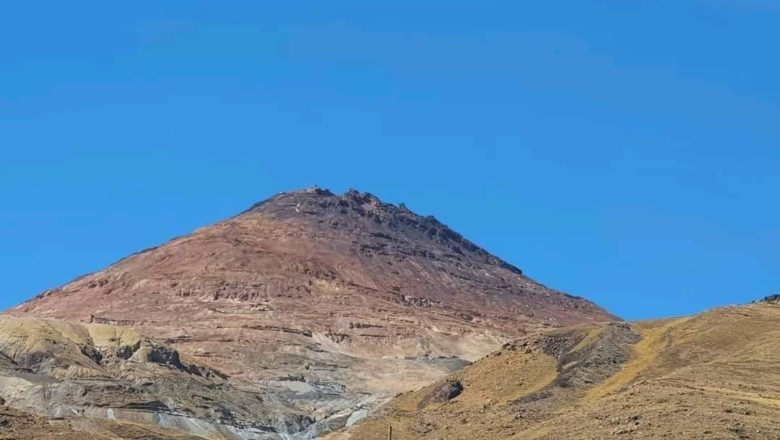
(327, 303)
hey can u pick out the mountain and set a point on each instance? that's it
(303, 313)
(710, 376)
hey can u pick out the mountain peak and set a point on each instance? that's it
(307, 195)
(317, 201)
(362, 212)
(338, 288)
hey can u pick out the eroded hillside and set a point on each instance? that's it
(77, 373)
(711, 376)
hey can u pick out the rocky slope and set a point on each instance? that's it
(711, 376)
(324, 305)
(65, 370)
(19, 425)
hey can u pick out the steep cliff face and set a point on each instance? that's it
(329, 303)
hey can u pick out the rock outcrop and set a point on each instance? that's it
(771, 299)
(64, 370)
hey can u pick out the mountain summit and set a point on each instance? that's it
(325, 304)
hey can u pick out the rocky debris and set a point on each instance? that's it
(159, 354)
(584, 357)
(599, 360)
(555, 345)
(771, 299)
(443, 393)
(418, 302)
(110, 321)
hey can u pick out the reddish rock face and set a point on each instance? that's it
(327, 301)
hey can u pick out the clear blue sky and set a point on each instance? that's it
(625, 151)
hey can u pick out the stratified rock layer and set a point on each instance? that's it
(328, 304)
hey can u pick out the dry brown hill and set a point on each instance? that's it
(320, 305)
(711, 376)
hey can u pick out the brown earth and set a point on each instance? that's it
(322, 306)
(18, 425)
(711, 376)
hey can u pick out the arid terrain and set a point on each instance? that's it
(314, 315)
(291, 320)
(18, 425)
(710, 376)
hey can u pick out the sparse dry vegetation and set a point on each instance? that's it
(712, 376)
